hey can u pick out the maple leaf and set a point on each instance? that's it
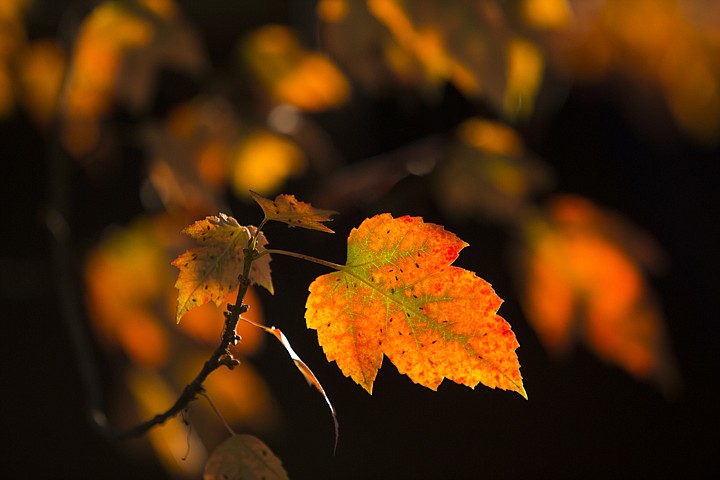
(209, 272)
(286, 209)
(399, 296)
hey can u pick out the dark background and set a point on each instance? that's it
(583, 418)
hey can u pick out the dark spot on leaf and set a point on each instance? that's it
(407, 314)
(379, 342)
(434, 342)
(185, 265)
(400, 333)
(416, 265)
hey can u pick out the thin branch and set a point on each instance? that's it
(221, 356)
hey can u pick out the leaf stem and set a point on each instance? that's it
(307, 258)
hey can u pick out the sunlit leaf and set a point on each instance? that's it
(287, 209)
(583, 285)
(209, 272)
(244, 457)
(399, 296)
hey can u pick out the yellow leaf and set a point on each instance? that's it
(264, 161)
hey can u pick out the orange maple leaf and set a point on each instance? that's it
(209, 272)
(399, 296)
(286, 209)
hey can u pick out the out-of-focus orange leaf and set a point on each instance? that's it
(399, 296)
(483, 48)
(192, 154)
(124, 278)
(206, 322)
(488, 173)
(287, 209)
(41, 72)
(662, 43)
(209, 272)
(244, 457)
(263, 161)
(582, 284)
(292, 74)
(12, 39)
(118, 50)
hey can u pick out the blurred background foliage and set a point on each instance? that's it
(166, 111)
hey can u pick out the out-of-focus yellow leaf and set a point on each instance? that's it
(241, 396)
(488, 173)
(525, 71)
(583, 285)
(263, 162)
(307, 80)
(179, 449)
(546, 14)
(41, 72)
